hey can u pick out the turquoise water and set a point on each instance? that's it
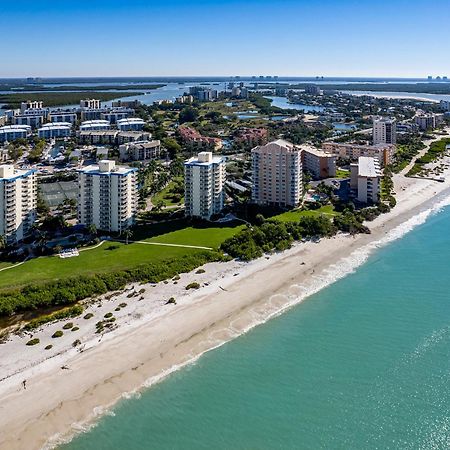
(364, 364)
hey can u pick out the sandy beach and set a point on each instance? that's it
(68, 387)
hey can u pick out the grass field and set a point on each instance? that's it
(166, 195)
(293, 216)
(120, 257)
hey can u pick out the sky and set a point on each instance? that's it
(378, 38)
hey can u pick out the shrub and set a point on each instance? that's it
(76, 343)
(75, 329)
(117, 309)
(33, 341)
(171, 301)
(57, 334)
(88, 316)
(107, 315)
(122, 305)
(68, 326)
(200, 271)
(65, 313)
(48, 347)
(193, 285)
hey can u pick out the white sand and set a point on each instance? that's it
(152, 338)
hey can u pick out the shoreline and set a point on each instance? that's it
(147, 347)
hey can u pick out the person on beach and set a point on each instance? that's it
(24, 384)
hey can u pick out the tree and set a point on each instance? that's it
(2, 242)
(92, 229)
(128, 234)
(188, 114)
(172, 147)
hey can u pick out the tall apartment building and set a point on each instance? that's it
(90, 103)
(31, 105)
(383, 152)
(204, 181)
(318, 163)
(428, 121)
(17, 202)
(365, 176)
(107, 196)
(277, 174)
(384, 130)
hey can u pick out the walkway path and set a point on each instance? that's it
(166, 245)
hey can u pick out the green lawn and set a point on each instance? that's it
(166, 195)
(294, 215)
(342, 173)
(103, 259)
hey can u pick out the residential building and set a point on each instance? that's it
(55, 130)
(384, 130)
(277, 174)
(107, 196)
(140, 151)
(95, 125)
(32, 117)
(132, 136)
(62, 116)
(13, 132)
(251, 136)
(445, 105)
(108, 137)
(126, 104)
(205, 177)
(365, 180)
(185, 99)
(312, 89)
(130, 124)
(318, 163)
(428, 121)
(18, 194)
(90, 104)
(193, 138)
(24, 106)
(3, 120)
(116, 114)
(383, 152)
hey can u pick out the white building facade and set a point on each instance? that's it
(18, 194)
(384, 130)
(107, 196)
(204, 180)
(365, 180)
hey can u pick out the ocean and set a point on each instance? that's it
(362, 364)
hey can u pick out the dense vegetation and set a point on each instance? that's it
(70, 290)
(436, 150)
(405, 153)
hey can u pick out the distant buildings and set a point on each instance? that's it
(12, 132)
(277, 174)
(185, 99)
(203, 94)
(205, 177)
(365, 176)
(318, 163)
(90, 104)
(140, 151)
(62, 116)
(17, 203)
(251, 136)
(55, 130)
(384, 130)
(107, 196)
(130, 124)
(193, 138)
(382, 152)
(116, 114)
(428, 121)
(312, 89)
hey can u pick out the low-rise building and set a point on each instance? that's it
(130, 124)
(132, 136)
(62, 116)
(140, 151)
(116, 114)
(383, 152)
(251, 136)
(108, 137)
(107, 196)
(365, 178)
(18, 194)
(205, 177)
(12, 132)
(55, 130)
(95, 125)
(193, 138)
(318, 163)
(31, 117)
(277, 174)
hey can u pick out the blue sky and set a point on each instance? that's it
(226, 37)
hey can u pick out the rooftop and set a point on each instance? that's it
(368, 167)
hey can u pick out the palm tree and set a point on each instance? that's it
(128, 234)
(2, 242)
(92, 229)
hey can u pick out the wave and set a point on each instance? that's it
(298, 293)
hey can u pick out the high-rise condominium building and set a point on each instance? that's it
(384, 130)
(204, 185)
(277, 174)
(107, 196)
(365, 176)
(17, 202)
